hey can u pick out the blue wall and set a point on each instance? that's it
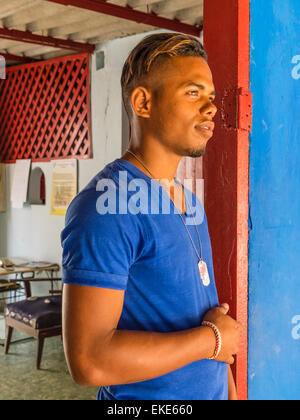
(274, 214)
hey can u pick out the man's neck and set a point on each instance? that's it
(160, 164)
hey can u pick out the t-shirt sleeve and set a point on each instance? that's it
(98, 250)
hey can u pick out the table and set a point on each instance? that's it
(28, 273)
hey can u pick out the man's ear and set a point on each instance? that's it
(141, 102)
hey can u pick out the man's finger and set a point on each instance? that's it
(224, 306)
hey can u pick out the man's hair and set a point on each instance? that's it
(158, 46)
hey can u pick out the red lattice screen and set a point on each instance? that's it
(45, 110)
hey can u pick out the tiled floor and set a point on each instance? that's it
(19, 379)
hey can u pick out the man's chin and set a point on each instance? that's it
(195, 153)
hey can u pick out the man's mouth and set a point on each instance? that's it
(207, 127)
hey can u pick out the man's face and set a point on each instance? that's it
(182, 105)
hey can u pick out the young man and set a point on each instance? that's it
(138, 283)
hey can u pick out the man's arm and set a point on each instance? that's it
(98, 354)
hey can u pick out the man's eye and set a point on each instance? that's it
(193, 92)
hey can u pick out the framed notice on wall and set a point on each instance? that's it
(63, 185)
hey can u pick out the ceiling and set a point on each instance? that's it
(50, 19)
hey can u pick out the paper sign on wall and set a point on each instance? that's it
(63, 185)
(2, 188)
(20, 183)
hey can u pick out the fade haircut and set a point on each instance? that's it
(142, 58)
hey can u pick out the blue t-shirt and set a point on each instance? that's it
(124, 233)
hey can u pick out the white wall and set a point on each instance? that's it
(32, 232)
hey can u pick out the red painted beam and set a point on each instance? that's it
(226, 162)
(17, 58)
(128, 13)
(28, 37)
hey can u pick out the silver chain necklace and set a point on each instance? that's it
(201, 264)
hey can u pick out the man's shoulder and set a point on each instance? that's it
(89, 192)
(104, 199)
(110, 171)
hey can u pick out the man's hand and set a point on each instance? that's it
(230, 331)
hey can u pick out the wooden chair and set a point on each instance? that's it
(37, 317)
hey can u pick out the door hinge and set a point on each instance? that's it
(237, 109)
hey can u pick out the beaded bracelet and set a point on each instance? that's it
(218, 338)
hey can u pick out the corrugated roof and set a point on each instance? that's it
(49, 19)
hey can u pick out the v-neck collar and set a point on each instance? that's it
(141, 174)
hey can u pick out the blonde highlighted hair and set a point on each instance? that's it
(142, 58)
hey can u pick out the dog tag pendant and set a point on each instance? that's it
(204, 273)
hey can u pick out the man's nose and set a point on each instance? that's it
(209, 109)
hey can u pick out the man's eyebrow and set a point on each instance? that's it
(199, 86)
